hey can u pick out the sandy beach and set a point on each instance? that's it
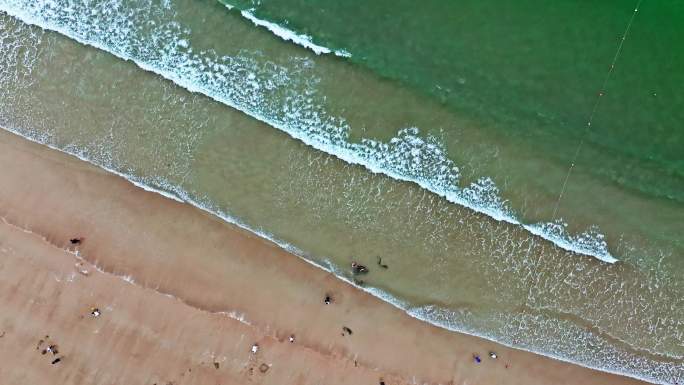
(154, 291)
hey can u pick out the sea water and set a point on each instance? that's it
(343, 159)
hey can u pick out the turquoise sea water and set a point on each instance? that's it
(436, 137)
(529, 72)
(528, 69)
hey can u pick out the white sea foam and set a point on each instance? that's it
(129, 279)
(595, 353)
(407, 157)
(241, 317)
(289, 35)
(447, 319)
(590, 242)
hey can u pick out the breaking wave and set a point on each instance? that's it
(288, 35)
(283, 95)
(408, 156)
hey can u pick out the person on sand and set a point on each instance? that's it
(327, 300)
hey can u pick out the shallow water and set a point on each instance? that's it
(448, 264)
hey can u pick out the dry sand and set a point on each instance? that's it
(199, 293)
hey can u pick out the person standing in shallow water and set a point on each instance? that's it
(358, 269)
(383, 265)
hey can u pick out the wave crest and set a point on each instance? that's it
(281, 94)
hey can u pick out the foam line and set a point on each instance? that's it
(408, 149)
(179, 195)
(407, 157)
(289, 35)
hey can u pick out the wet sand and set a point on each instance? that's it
(198, 294)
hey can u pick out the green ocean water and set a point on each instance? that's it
(528, 74)
(314, 151)
(529, 70)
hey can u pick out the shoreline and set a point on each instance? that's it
(361, 154)
(182, 197)
(103, 250)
